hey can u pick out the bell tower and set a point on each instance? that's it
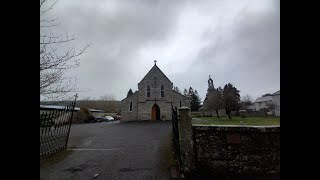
(210, 83)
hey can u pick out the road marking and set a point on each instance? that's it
(94, 149)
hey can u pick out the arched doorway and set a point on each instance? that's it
(155, 112)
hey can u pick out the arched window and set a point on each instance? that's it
(148, 91)
(162, 91)
(130, 106)
(180, 103)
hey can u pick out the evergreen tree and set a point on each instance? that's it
(195, 99)
(231, 99)
(190, 93)
(185, 92)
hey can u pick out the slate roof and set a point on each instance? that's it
(154, 68)
(266, 98)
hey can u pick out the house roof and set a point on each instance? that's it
(263, 99)
(266, 98)
(154, 68)
(276, 93)
(51, 107)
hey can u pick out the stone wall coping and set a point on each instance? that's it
(237, 128)
(213, 125)
(184, 108)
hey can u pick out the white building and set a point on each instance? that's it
(262, 103)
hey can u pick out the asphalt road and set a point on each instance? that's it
(113, 150)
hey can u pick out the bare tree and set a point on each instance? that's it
(108, 97)
(214, 101)
(109, 103)
(55, 62)
(86, 102)
(247, 99)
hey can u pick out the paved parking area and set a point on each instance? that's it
(113, 150)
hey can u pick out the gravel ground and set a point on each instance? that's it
(113, 150)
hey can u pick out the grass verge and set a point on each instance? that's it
(237, 120)
(55, 158)
(167, 156)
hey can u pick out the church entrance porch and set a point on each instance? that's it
(155, 112)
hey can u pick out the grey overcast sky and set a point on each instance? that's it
(233, 41)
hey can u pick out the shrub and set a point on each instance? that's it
(84, 115)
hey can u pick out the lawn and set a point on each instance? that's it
(236, 120)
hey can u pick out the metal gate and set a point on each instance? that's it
(54, 130)
(176, 138)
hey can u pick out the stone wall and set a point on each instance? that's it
(141, 110)
(236, 150)
(126, 114)
(186, 140)
(177, 98)
(155, 86)
(145, 110)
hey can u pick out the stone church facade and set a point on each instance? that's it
(153, 99)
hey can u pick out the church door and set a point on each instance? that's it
(155, 112)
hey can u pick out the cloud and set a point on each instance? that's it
(234, 41)
(245, 51)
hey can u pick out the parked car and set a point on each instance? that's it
(90, 119)
(116, 117)
(99, 119)
(109, 118)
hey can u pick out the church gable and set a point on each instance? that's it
(134, 95)
(129, 106)
(155, 71)
(155, 86)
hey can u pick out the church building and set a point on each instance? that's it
(153, 99)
